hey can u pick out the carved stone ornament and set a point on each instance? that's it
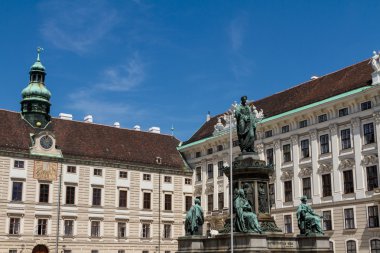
(355, 122)
(333, 128)
(219, 126)
(376, 116)
(209, 188)
(305, 172)
(287, 175)
(346, 163)
(260, 148)
(277, 144)
(375, 63)
(198, 190)
(369, 160)
(272, 179)
(220, 186)
(313, 134)
(294, 139)
(324, 168)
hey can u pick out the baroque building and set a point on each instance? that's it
(322, 137)
(69, 186)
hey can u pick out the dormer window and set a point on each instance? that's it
(158, 160)
(365, 105)
(303, 123)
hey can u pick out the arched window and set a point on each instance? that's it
(351, 246)
(375, 246)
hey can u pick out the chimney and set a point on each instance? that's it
(66, 116)
(313, 77)
(155, 130)
(208, 117)
(137, 128)
(88, 118)
(116, 124)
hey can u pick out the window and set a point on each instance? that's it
(324, 141)
(220, 168)
(286, 153)
(69, 227)
(96, 197)
(306, 185)
(188, 202)
(94, 251)
(17, 191)
(168, 202)
(285, 129)
(42, 227)
(145, 230)
(209, 151)
(326, 185)
(322, 118)
(14, 226)
(146, 177)
(288, 191)
(198, 172)
(18, 164)
(188, 181)
(145, 251)
(123, 174)
(375, 246)
(351, 246)
(121, 251)
(44, 193)
(167, 231)
(349, 220)
(372, 181)
(348, 181)
(303, 123)
(95, 228)
(197, 154)
(220, 147)
(288, 224)
(269, 156)
(365, 105)
(121, 229)
(331, 246)
(268, 133)
(167, 179)
(327, 221)
(12, 251)
(210, 170)
(70, 195)
(305, 148)
(271, 195)
(210, 202)
(369, 134)
(146, 204)
(343, 112)
(123, 197)
(373, 216)
(220, 201)
(71, 169)
(98, 172)
(345, 138)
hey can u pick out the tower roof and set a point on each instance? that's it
(37, 66)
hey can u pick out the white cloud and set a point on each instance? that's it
(124, 77)
(236, 31)
(77, 25)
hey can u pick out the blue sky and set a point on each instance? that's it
(164, 63)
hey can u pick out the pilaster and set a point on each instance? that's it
(296, 168)
(316, 193)
(337, 181)
(376, 116)
(359, 175)
(278, 189)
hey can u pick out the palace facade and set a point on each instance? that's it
(69, 186)
(322, 137)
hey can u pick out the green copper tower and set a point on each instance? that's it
(35, 104)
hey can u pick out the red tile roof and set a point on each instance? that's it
(94, 142)
(344, 80)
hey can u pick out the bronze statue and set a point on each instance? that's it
(194, 218)
(246, 120)
(245, 219)
(309, 222)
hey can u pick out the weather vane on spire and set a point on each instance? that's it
(39, 50)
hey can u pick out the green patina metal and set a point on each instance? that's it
(35, 104)
(346, 94)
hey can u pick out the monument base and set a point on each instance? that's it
(250, 242)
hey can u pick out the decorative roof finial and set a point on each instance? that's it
(39, 50)
(172, 129)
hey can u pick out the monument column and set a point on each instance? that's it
(277, 171)
(314, 165)
(359, 175)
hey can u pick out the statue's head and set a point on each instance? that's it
(304, 199)
(197, 201)
(243, 99)
(241, 192)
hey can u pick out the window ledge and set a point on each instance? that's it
(14, 235)
(349, 230)
(373, 228)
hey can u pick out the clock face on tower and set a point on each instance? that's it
(46, 142)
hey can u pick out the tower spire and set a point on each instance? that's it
(39, 50)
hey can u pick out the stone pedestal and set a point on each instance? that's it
(375, 78)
